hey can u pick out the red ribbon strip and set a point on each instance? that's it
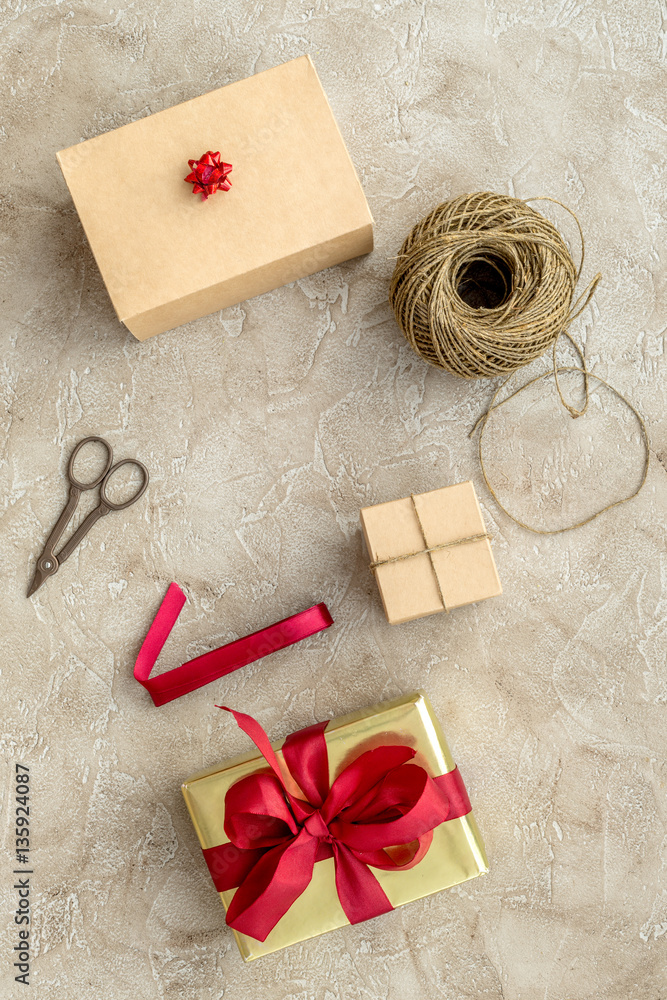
(203, 669)
(380, 811)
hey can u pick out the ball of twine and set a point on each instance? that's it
(483, 285)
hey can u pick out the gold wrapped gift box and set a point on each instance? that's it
(455, 855)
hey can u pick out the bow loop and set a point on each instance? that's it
(257, 813)
(412, 794)
(356, 785)
(305, 754)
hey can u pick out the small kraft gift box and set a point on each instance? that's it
(341, 822)
(291, 205)
(430, 552)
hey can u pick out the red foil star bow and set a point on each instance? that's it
(379, 812)
(209, 174)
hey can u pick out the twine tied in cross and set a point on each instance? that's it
(429, 550)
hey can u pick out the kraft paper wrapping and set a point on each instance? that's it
(456, 853)
(295, 206)
(414, 587)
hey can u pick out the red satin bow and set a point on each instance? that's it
(380, 811)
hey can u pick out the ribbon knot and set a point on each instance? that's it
(380, 811)
(316, 827)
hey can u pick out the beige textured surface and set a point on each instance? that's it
(266, 428)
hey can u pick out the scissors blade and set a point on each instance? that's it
(37, 581)
(42, 573)
(47, 564)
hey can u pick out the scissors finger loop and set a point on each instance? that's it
(70, 466)
(133, 499)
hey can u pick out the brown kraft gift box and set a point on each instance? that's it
(430, 552)
(295, 207)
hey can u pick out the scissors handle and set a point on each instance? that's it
(133, 499)
(75, 490)
(105, 506)
(82, 531)
(105, 471)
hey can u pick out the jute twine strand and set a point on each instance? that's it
(428, 549)
(527, 254)
(483, 420)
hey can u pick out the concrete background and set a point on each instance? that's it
(265, 428)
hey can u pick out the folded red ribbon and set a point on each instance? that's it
(203, 669)
(380, 811)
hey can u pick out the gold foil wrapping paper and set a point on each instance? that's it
(455, 855)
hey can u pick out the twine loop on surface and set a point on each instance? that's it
(560, 369)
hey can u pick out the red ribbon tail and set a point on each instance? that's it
(158, 634)
(361, 895)
(270, 889)
(252, 728)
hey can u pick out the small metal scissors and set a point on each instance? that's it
(49, 563)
